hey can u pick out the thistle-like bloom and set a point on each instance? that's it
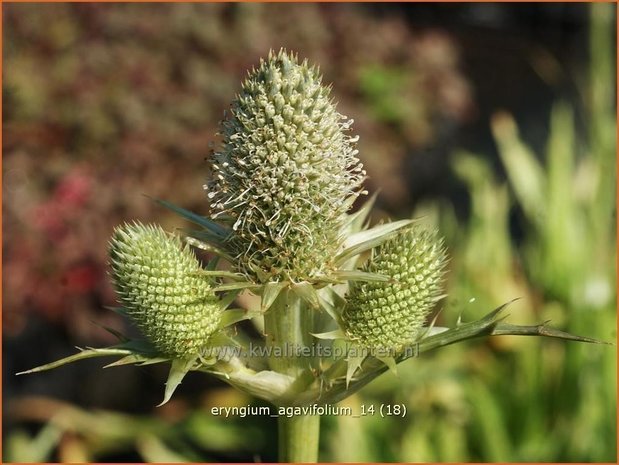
(389, 315)
(160, 286)
(286, 173)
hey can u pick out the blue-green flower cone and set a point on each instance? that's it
(159, 284)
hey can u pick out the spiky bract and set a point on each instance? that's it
(286, 172)
(159, 283)
(389, 315)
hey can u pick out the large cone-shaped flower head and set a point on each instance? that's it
(389, 315)
(286, 173)
(160, 286)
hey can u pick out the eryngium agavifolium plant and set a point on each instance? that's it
(281, 189)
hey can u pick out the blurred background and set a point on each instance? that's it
(495, 122)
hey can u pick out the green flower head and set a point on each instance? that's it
(286, 174)
(160, 286)
(389, 315)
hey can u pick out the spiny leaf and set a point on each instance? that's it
(139, 346)
(356, 220)
(358, 275)
(84, 354)
(229, 298)
(307, 292)
(206, 239)
(153, 361)
(178, 370)
(389, 363)
(269, 294)
(209, 248)
(365, 240)
(490, 325)
(212, 264)
(232, 316)
(464, 331)
(210, 225)
(355, 359)
(223, 274)
(429, 331)
(435, 330)
(120, 336)
(541, 330)
(332, 303)
(335, 334)
(236, 286)
(137, 359)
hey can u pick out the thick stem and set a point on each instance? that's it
(288, 324)
(298, 438)
(288, 327)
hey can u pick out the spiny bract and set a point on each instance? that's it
(286, 173)
(159, 283)
(389, 315)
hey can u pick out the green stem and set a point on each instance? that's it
(298, 438)
(288, 326)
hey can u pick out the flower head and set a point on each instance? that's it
(389, 315)
(159, 283)
(286, 173)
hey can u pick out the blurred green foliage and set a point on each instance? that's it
(506, 400)
(522, 400)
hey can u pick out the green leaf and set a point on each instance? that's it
(136, 359)
(358, 275)
(140, 346)
(205, 238)
(229, 298)
(223, 274)
(335, 334)
(365, 240)
(490, 325)
(216, 229)
(212, 264)
(236, 286)
(208, 248)
(332, 303)
(390, 363)
(83, 355)
(307, 292)
(270, 293)
(355, 221)
(153, 361)
(178, 370)
(355, 358)
(120, 336)
(504, 329)
(464, 330)
(434, 330)
(232, 316)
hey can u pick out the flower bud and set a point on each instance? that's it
(389, 315)
(286, 173)
(160, 286)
